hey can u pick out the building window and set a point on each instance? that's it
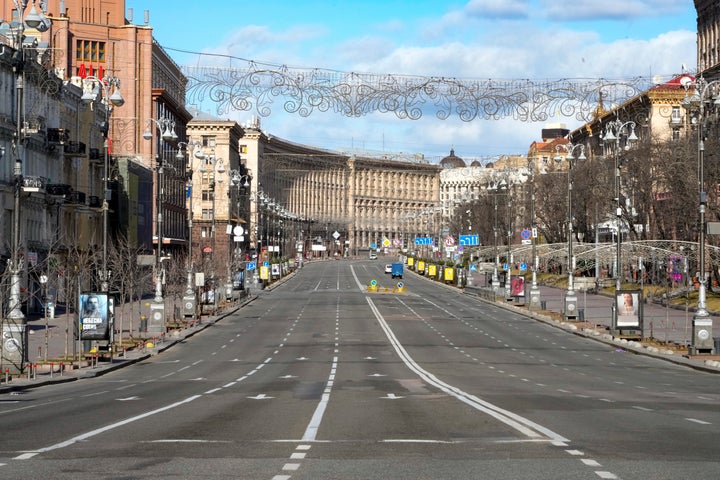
(675, 117)
(207, 213)
(91, 51)
(208, 141)
(243, 148)
(207, 195)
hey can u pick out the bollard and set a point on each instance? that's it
(62, 369)
(34, 371)
(7, 375)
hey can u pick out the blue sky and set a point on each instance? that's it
(473, 39)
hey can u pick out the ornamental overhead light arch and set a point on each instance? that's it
(352, 94)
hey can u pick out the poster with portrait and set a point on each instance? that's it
(94, 324)
(628, 308)
(517, 286)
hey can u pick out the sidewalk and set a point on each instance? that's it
(55, 342)
(670, 328)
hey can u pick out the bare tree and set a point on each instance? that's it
(129, 280)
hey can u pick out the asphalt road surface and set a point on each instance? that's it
(319, 379)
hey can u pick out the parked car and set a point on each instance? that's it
(388, 268)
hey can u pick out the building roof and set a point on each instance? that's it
(200, 116)
(452, 161)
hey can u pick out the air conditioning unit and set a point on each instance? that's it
(94, 201)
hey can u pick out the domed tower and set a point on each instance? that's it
(452, 161)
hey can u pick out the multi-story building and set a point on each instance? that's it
(69, 134)
(303, 199)
(708, 38)
(92, 40)
(218, 198)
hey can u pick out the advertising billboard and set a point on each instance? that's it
(94, 316)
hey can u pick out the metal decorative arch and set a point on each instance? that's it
(658, 250)
(305, 91)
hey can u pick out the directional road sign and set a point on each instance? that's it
(469, 240)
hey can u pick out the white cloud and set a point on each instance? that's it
(497, 8)
(610, 9)
(486, 39)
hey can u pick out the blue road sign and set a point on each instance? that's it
(523, 266)
(423, 241)
(469, 240)
(250, 266)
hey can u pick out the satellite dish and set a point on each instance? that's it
(657, 79)
(685, 81)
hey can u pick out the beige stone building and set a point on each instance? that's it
(217, 200)
(304, 200)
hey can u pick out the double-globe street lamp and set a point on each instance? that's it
(213, 170)
(166, 128)
(14, 328)
(535, 301)
(235, 232)
(615, 132)
(106, 89)
(704, 91)
(194, 151)
(496, 187)
(570, 297)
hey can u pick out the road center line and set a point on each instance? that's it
(524, 425)
(312, 428)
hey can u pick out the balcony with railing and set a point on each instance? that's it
(74, 149)
(58, 189)
(58, 136)
(75, 198)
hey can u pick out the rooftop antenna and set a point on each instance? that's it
(147, 17)
(130, 15)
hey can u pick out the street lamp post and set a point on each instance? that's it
(237, 181)
(534, 290)
(615, 131)
(702, 339)
(166, 127)
(496, 188)
(189, 299)
(570, 297)
(109, 87)
(13, 351)
(218, 171)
